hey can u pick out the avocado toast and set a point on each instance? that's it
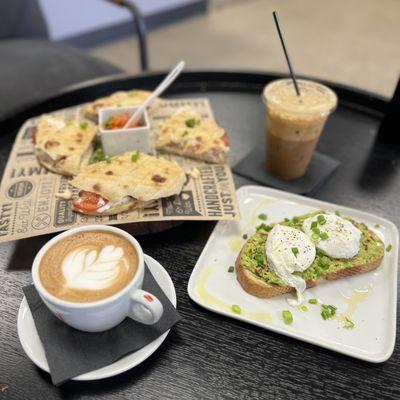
(256, 278)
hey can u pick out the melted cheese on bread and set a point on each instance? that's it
(187, 134)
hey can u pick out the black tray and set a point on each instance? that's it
(206, 355)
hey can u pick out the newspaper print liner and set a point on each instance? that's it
(29, 205)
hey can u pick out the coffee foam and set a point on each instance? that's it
(88, 266)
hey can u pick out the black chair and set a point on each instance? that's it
(33, 68)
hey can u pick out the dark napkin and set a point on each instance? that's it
(70, 352)
(319, 170)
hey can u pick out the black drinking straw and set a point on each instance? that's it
(285, 50)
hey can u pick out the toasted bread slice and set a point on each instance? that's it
(187, 134)
(64, 146)
(254, 280)
(118, 99)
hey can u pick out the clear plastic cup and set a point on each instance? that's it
(294, 124)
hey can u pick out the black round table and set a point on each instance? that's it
(208, 356)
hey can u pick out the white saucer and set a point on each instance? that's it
(32, 345)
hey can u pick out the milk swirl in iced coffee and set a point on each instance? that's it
(88, 266)
(294, 124)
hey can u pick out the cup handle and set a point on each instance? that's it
(145, 307)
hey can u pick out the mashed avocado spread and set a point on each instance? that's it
(254, 259)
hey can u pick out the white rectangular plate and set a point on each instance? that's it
(369, 299)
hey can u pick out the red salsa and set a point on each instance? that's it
(119, 121)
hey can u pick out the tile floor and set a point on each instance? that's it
(355, 42)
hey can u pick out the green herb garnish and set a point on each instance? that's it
(287, 317)
(314, 224)
(316, 231)
(324, 236)
(190, 123)
(388, 247)
(108, 160)
(295, 251)
(321, 219)
(337, 213)
(377, 226)
(328, 311)
(303, 308)
(348, 323)
(185, 133)
(287, 219)
(135, 156)
(263, 227)
(83, 125)
(313, 301)
(98, 153)
(295, 220)
(315, 237)
(231, 268)
(263, 217)
(236, 309)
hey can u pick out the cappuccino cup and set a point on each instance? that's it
(91, 278)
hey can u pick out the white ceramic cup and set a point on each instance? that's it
(104, 314)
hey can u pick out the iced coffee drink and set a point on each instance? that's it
(294, 124)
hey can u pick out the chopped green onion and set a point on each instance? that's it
(313, 301)
(316, 231)
(263, 227)
(190, 123)
(321, 219)
(263, 217)
(314, 224)
(388, 247)
(83, 125)
(231, 268)
(287, 219)
(348, 323)
(303, 308)
(287, 317)
(328, 311)
(315, 237)
(108, 160)
(135, 156)
(295, 220)
(324, 236)
(185, 133)
(377, 226)
(320, 252)
(245, 236)
(337, 213)
(236, 309)
(295, 251)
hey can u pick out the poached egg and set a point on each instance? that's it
(335, 236)
(289, 250)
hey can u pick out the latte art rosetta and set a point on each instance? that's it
(89, 269)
